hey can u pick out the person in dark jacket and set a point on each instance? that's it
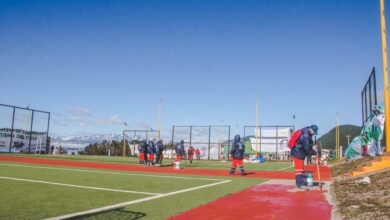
(151, 152)
(140, 152)
(303, 148)
(180, 152)
(144, 150)
(159, 152)
(237, 152)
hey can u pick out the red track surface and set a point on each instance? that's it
(325, 171)
(266, 201)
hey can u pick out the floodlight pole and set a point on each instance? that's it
(124, 145)
(335, 135)
(385, 75)
(158, 119)
(257, 125)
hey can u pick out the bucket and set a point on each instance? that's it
(308, 178)
(177, 165)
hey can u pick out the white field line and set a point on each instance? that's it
(285, 168)
(108, 172)
(119, 205)
(78, 186)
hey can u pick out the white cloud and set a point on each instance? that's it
(78, 111)
(113, 120)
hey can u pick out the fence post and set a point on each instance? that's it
(12, 130)
(173, 137)
(31, 127)
(209, 142)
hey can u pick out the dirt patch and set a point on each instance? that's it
(347, 167)
(364, 201)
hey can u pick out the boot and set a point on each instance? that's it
(242, 170)
(232, 170)
(299, 180)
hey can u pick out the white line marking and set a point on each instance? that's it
(78, 186)
(110, 207)
(285, 168)
(108, 172)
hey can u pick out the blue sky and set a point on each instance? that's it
(96, 64)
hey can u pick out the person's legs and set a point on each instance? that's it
(299, 169)
(242, 170)
(145, 159)
(378, 150)
(234, 166)
(158, 159)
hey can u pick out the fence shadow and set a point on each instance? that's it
(117, 214)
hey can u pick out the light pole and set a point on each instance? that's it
(385, 74)
(124, 142)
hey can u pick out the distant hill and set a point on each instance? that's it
(328, 140)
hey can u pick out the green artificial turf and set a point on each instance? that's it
(26, 200)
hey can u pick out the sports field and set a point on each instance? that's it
(213, 164)
(39, 191)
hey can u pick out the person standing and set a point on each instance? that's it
(237, 152)
(191, 153)
(197, 153)
(303, 147)
(180, 152)
(144, 149)
(159, 152)
(151, 152)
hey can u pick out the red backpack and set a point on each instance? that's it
(294, 138)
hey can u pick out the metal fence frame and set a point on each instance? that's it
(31, 125)
(371, 89)
(291, 127)
(209, 136)
(135, 131)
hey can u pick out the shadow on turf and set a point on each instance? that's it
(116, 214)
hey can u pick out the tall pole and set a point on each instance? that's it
(124, 145)
(158, 119)
(336, 136)
(385, 75)
(257, 130)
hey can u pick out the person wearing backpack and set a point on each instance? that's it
(301, 144)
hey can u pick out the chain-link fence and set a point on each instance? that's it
(23, 130)
(270, 141)
(209, 140)
(368, 96)
(134, 137)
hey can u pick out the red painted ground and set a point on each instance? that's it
(266, 201)
(325, 171)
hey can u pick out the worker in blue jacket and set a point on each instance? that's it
(237, 152)
(159, 152)
(151, 152)
(180, 152)
(303, 148)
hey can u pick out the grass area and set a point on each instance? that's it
(370, 201)
(284, 166)
(343, 167)
(32, 200)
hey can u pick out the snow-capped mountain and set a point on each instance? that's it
(86, 139)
